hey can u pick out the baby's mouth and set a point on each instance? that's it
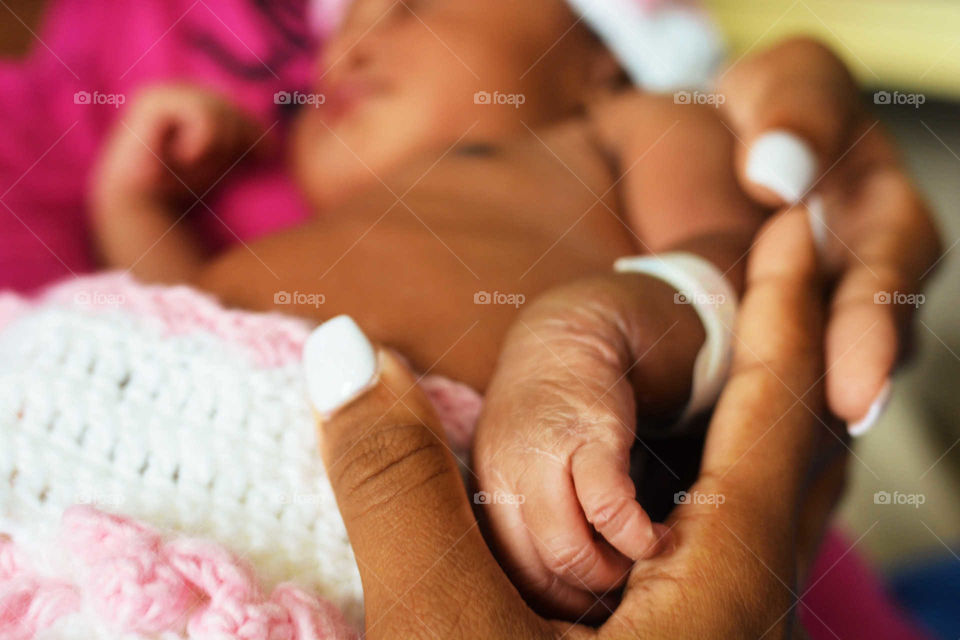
(343, 98)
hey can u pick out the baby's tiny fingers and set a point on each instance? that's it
(545, 591)
(563, 537)
(608, 497)
(194, 136)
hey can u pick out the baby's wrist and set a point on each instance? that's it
(697, 284)
(634, 324)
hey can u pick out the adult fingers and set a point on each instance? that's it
(766, 428)
(791, 107)
(424, 566)
(731, 560)
(884, 245)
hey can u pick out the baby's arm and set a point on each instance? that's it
(679, 193)
(171, 146)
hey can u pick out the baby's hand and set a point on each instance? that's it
(173, 141)
(553, 447)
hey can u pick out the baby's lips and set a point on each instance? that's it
(340, 364)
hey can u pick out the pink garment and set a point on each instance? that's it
(136, 581)
(844, 598)
(94, 50)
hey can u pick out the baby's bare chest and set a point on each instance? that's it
(552, 197)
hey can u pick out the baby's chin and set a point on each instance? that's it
(328, 165)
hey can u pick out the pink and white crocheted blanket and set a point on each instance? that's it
(159, 473)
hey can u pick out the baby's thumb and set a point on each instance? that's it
(405, 508)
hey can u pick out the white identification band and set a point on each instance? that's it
(702, 285)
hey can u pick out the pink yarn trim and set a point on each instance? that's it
(273, 340)
(29, 603)
(136, 582)
(458, 407)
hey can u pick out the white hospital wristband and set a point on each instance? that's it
(702, 285)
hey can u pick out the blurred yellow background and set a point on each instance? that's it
(909, 44)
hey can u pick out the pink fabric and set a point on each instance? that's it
(138, 582)
(245, 49)
(845, 599)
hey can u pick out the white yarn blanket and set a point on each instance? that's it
(159, 405)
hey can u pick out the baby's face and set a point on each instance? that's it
(413, 76)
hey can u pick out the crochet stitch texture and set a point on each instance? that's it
(152, 416)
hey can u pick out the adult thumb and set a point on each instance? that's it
(424, 565)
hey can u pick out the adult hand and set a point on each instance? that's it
(806, 136)
(726, 570)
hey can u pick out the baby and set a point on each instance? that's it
(462, 147)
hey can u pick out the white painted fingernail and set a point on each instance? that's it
(339, 364)
(876, 410)
(782, 162)
(817, 216)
